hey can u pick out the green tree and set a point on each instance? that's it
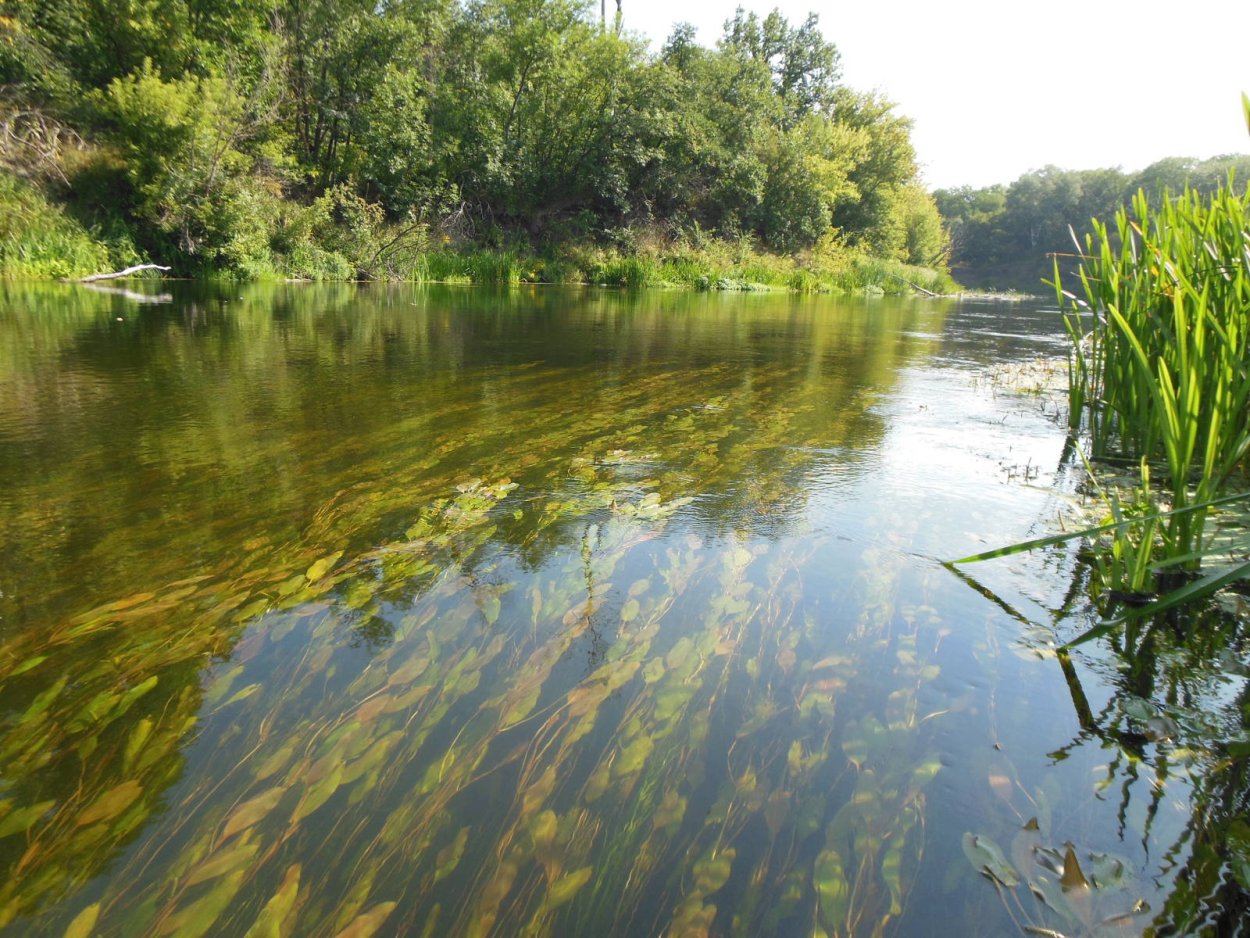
(804, 67)
(182, 141)
(884, 160)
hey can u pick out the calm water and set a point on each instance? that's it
(456, 612)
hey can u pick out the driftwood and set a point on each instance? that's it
(915, 286)
(121, 273)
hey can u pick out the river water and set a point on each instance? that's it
(449, 611)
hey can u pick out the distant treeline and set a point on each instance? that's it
(331, 138)
(1002, 236)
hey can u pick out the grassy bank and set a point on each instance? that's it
(717, 265)
(40, 239)
(1159, 399)
(339, 238)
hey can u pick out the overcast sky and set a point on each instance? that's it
(997, 88)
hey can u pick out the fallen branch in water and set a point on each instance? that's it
(915, 286)
(121, 273)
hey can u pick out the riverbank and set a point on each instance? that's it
(43, 238)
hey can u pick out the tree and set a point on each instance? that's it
(805, 67)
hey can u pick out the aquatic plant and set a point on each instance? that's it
(521, 701)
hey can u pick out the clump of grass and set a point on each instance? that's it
(494, 266)
(39, 240)
(630, 271)
(1159, 346)
(1159, 374)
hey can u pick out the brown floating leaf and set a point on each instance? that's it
(1073, 877)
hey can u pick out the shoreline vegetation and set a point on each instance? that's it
(483, 141)
(1159, 405)
(55, 247)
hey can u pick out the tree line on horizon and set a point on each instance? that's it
(1006, 236)
(303, 136)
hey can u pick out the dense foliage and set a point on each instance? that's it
(345, 137)
(1001, 235)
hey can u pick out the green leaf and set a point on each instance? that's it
(988, 859)
(112, 803)
(322, 567)
(566, 887)
(22, 819)
(274, 920)
(1090, 532)
(367, 923)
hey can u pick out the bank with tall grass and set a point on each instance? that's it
(336, 238)
(1159, 394)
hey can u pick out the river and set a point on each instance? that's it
(450, 611)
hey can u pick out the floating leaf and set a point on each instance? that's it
(322, 566)
(251, 811)
(449, 857)
(28, 664)
(275, 920)
(242, 694)
(829, 878)
(1073, 877)
(566, 887)
(632, 758)
(986, 857)
(223, 862)
(198, 917)
(22, 819)
(711, 872)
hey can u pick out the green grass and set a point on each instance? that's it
(1159, 377)
(40, 241)
(1159, 361)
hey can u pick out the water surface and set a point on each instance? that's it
(449, 611)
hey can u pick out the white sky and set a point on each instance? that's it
(997, 88)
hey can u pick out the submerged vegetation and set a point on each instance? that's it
(572, 693)
(494, 140)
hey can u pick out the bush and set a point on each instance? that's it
(39, 240)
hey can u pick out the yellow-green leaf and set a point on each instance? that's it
(367, 923)
(112, 803)
(566, 887)
(275, 919)
(322, 566)
(252, 810)
(83, 922)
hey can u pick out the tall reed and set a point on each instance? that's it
(1159, 355)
